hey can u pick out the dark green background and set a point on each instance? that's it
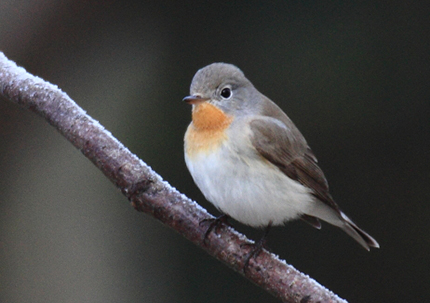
(353, 76)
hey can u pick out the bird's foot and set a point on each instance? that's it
(215, 223)
(256, 248)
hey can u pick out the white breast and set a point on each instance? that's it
(243, 185)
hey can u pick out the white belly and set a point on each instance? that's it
(248, 188)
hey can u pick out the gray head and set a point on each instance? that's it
(225, 86)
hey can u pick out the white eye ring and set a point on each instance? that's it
(226, 93)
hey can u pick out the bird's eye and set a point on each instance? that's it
(226, 93)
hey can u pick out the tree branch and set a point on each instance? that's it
(148, 192)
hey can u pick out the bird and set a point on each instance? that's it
(251, 161)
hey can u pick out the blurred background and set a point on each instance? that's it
(352, 75)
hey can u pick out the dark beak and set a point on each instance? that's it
(194, 99)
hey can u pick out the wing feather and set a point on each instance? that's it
(286, 148)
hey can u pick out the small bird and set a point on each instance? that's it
(251, 161)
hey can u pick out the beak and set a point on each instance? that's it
(194, 99)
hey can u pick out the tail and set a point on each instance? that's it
(337, 218)
(357, 233)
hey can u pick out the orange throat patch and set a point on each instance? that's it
(207, 130)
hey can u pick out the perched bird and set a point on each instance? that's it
(250, 160)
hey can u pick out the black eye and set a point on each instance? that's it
(226, 93)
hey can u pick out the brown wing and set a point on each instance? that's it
(285, 147)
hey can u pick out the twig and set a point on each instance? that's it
(148, 192)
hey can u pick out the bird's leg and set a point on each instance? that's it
(256, 247)
(214, 224)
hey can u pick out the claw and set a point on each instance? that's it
(256, 248)
(214, 224)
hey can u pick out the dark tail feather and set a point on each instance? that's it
(358, 234)
(311, 220)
